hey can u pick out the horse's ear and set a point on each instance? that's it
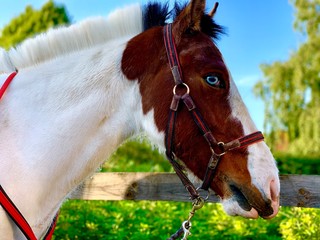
(189, 18)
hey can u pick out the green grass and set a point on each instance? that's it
(157, 220)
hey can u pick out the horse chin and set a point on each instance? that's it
(232, 208)
(237, 205)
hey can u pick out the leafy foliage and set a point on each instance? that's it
(291, 89)
(293, 164)
(137, 156)
(302, 224)
(32, 22)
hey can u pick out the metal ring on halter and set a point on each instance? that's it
(199, 189)
(185, 85)
(218, 154)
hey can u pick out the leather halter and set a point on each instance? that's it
(7, 203)
(199, 121)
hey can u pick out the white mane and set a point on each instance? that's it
(63, 40)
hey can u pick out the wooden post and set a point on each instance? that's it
(296, 190)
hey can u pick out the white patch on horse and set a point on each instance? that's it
(261, 164)
(150, 128)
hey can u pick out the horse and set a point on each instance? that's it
(80, 91)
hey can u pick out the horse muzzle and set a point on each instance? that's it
(249, 202)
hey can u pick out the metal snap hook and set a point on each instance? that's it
(198, 203)
(186, 226)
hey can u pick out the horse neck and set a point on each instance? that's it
(66, 117)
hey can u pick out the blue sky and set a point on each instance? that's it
(258, 32)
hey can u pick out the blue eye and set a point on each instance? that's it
(214, 81)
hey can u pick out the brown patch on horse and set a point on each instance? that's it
(144, 59)
(144, 54)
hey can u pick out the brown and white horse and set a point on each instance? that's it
(82, 90)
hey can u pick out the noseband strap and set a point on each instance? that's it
(203, 127)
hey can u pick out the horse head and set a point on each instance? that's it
(246, 179)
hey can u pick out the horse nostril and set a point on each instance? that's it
(274, 195)
(274, 190)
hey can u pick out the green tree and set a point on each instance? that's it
(31, 22)
(291, 89)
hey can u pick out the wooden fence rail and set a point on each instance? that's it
(296, 190)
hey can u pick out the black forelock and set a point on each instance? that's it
(158, 14)
(155, 14)
(211, 28)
